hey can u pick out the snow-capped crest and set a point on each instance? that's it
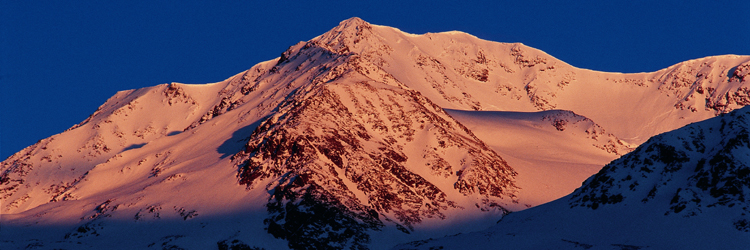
(348, 36)
(349, 130)
(352, 23)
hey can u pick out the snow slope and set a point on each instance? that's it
(685, 189)
(459, 71)
(343, 142)
(552, 151)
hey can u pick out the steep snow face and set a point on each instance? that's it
(150, 168)
(140, 173)
(49, 170)
(687, 188)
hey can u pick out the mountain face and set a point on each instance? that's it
(355, 153)
(362, 137)
(687, 188)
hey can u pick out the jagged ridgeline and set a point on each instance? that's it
(343, 142)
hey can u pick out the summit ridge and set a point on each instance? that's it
(361, 138)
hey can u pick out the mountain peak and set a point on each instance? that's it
(354, 25)
(344, 142)
(353, 22)
(351, 35)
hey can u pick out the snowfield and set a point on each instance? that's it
(366, 137)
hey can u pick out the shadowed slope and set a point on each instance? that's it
(687, 188)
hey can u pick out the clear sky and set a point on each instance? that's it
(60, 60)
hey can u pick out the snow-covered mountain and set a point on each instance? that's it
(552, 151)
(685, 189)
(363, 137)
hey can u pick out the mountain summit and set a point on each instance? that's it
(362, 137)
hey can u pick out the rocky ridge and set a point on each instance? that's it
(340, 138)
(699, 167)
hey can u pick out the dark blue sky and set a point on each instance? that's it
(60, 61)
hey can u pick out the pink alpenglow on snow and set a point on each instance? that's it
(366, 137)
